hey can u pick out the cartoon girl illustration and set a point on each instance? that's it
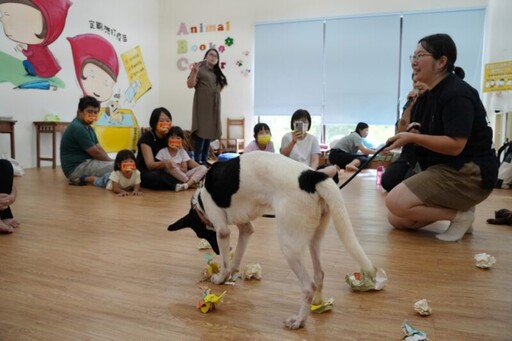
(96, 65)
(35, 24)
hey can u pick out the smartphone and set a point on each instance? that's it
(299, 126)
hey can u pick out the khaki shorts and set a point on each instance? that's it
(444, 186)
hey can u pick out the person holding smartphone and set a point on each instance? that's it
(298, 144)
(207, 79)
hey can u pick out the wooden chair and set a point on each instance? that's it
(235, 136)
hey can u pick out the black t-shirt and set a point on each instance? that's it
(409, 150)
(453, 108)
(149, 138)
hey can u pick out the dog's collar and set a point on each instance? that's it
(202, 216)
(200, 211)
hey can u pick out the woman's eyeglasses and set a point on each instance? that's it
(416, 57)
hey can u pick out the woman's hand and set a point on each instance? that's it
(6, 200)
(169, 165)
(399, 140)
(414, 127)
(192, 78)
(297, 135)
(413, 95)
(195, 67)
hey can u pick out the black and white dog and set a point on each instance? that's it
(240, 190)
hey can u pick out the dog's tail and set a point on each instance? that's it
(332, 196)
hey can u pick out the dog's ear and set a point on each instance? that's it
(180, 224)
(193, 221)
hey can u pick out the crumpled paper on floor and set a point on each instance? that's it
(203, 244)
(413, 334)
(484, 260)
(212, 268)
(326, 305)
(361, 281)
(422, 307)
(207, 303)
(252, 271)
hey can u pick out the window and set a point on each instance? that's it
(288, 68)
(361, 78)
(347, 70)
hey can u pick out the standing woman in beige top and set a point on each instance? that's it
(208, 80)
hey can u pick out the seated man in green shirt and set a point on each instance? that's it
(81, 157)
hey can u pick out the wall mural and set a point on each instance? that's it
(33, 25)
(97, 69)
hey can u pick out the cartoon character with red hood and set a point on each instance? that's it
(96, 65)
(35, 24)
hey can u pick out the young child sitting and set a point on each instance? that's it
(262, 139)
(182, 167)
(124, 178)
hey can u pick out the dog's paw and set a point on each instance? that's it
(218, 278)
(294, 322)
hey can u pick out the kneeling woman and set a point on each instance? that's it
(344, 152)
(454, 148)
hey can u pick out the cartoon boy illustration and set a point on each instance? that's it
(96, 65)
(35, 24)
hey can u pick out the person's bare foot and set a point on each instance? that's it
(351, 168)
(89, 180)
(4, 228)
(12, 222)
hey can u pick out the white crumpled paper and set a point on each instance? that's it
(364, 282)
(422, 307)
(484, 260)
(252, 271)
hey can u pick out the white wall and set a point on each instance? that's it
(140, 24)
(243, 15)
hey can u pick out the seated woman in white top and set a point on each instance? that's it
(298, 144)
(262, 139)
(345, 154)
(303, 147)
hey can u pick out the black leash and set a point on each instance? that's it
(349, 179)
(364, 165)
(414, 126)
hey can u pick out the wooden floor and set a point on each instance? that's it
(87, 265)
